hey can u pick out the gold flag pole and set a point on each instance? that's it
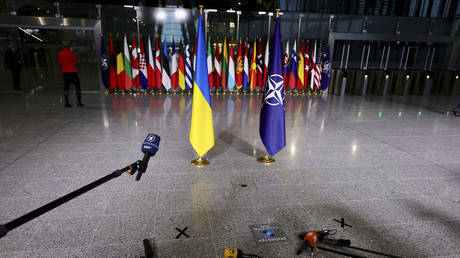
(106, 90)
(266, 159)
(200, 161)
(261, 86)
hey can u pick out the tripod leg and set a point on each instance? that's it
(148, 249)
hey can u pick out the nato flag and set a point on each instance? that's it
(326, 74)
(272, 126)
(104, 65)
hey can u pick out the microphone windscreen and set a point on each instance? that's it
(151, 144)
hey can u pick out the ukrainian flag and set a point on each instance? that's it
(201, 128)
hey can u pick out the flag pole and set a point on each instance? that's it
(266, 159)
(200, 161)
(106, 90)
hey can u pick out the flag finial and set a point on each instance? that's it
(277, 12)
(201, 8)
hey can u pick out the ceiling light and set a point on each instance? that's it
(180, 14)
(160, 15)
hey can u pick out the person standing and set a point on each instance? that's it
(67, 60)
(14, 63)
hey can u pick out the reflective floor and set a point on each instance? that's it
(390, 167)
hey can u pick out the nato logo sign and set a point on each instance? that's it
(274, 96)
(266, 233)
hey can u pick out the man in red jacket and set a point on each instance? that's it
(67, 60)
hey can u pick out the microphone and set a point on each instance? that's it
(149, 148)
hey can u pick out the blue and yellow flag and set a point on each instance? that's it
(201, 128)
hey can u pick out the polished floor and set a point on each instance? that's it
(389, 166)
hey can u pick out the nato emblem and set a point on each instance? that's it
(274, 95)
(104, 64)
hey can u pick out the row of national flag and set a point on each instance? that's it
(132, 68)
(302, 72)
(161, 68)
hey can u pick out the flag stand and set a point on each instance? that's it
(106, 92)
(200, 162)
(266, 159)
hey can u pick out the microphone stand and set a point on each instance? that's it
(131, 169)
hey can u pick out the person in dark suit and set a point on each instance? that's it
(67, 60)
(14, 63)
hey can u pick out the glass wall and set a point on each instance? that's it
(39, 49)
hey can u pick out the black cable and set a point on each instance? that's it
(372, 252)
(339, 252)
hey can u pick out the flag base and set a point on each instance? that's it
(266, 159)
(199, 162)
(106, 92)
